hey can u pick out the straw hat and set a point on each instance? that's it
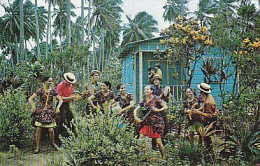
(156, 76)
(204, 87)
(69, 77)
(95, 72)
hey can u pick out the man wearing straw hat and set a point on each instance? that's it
(208, 112)
(66, 89)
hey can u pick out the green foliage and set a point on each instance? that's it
(182, 152)
(101, 140)
(241, 120)
(10, 25)
(141, 27)
(190, 152)
(15, 122)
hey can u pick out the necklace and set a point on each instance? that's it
(47, 94)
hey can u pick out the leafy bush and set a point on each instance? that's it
(241, 120)
(15, 124)
(189, 151)
(101, 140)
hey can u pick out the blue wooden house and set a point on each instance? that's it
(138, 56)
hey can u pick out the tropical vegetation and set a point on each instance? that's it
(36, 41)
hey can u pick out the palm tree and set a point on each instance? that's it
(37, 29)
(202, 13)
(224, 7)
(48, 28)
(22, 53)
(82, 22)
(106, 19)
(68, 23)
(141, 27)
(173, 8)
(59, 19)
(10, 25)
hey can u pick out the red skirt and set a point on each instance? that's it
(147, 130)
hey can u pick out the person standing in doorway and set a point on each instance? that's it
(158, 70)
(151, 73)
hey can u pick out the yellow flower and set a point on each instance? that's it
(192, 32)
(184, 28)
(170, 51)
(161, 41)
(202, 37)
(246, 40)
(246, 52)
(240, 52)
(235, 52)
(176, 40)
(204, 29)
(184, 41)
(197, 37)
(254, 45)
(208, 42)
(258, 44)
(180, 17)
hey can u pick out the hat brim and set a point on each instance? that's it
(156, 78)
(65, 77)
(203, 90)
(95, 72)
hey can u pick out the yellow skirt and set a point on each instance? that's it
(53, 124)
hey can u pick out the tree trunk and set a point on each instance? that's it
(102, 50)
(68, 23)
(89, 28)
(82, 25)
(48, 29)
(94, 64)
(22, 53)
(37, 32)
(61, 25)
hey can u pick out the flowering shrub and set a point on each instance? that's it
(185, 41)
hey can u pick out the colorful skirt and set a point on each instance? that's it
(147, 130)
